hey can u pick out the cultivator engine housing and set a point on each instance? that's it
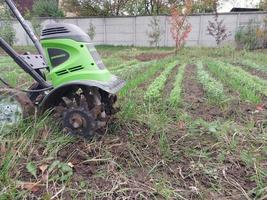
(76, 86)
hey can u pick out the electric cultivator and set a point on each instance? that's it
(70, 80)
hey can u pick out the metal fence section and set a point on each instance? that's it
(134, 30)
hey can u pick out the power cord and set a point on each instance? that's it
(33, 91)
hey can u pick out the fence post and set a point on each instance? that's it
(199, 40)
(237, 22)
(166, 32)
(134, 31)
(105, 31)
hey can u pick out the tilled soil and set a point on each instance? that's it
(242, 111)
(170, 82)
(254, 72)
(194, 98)
(152, 56)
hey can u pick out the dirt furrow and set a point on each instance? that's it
(146, 83)
(170, 82)
(242, 111)
(194, 99)
(152, 56)
(254, 72)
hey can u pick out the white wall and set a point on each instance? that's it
(133, 30)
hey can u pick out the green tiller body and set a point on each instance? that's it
(76, 86)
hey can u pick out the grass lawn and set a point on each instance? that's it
(191, 126)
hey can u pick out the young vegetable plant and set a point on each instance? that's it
(155, 89)
(175, 98)
(250, 87)
(153, 69)
(251, 64)
(213, 89)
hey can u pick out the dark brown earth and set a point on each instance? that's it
(152, 56)
(254, 72)
(145, 84)
(241, 111)
(194, 98)
(170, 82)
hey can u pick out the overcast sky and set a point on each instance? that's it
(228, 5)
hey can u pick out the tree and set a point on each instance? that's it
(217, 29)
(180, 27)
(263, 4)
(96, 7)
(7, 32)
(203, 6)
(155, 32)
(47, 8)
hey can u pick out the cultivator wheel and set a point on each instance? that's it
(84, 111)
(14, 106)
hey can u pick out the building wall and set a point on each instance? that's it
(133, 30)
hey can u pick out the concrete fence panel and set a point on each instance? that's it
(134, 30)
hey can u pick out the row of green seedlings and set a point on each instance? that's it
(130, 72)
(213, 88)
(154, 91)
(252, 65)
(175, 98)
(259, 58)
(141, 76)
(249, 87)
(124, 66)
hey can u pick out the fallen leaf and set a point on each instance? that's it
(260, 107)
(70, 164)
(32, 169)
(45, 133)
(33, 187)
(3, 149)
(43, 168)
(181, 125)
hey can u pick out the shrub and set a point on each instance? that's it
(91, 31)
(155, 33)
(246, 37)
(180, 27)
(217, 29)
(37, 26)
(47, 8)
(7, 31)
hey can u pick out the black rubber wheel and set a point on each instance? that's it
(79, 123)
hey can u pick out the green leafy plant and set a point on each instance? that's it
(61, 171)
(213, 89)
(164, 146)
(37, 26)
(155, 89)
(32, 169)
(7, 31)
(175, 98)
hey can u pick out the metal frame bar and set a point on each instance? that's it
(26, 27)
(28, 69)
